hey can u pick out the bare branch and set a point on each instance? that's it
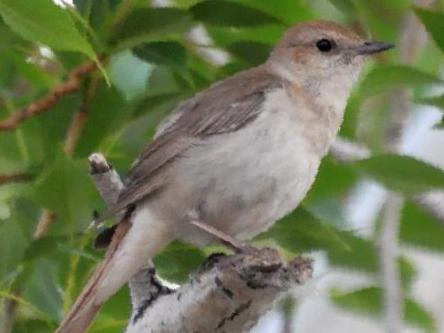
(107, 180)
(15, 178)
(45, 103)
(229, 294)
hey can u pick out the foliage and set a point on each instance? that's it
(151, 65)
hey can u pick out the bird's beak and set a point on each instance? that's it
(373, 47)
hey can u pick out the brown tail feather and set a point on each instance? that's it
(86, 306)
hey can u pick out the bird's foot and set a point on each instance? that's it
(225, 239)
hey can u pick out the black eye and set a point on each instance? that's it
(325, 45)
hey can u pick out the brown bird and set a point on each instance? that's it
(236, 157)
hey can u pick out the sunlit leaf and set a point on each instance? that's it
(151, 24)
(228, 13)
(44, 22)
(402, 173)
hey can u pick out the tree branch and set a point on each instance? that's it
(227, 294)
(15, 178)
(45, 103)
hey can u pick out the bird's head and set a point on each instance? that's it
(315, 53)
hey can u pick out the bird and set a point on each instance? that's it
(236, 157)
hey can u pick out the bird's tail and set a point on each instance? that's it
(132, 245)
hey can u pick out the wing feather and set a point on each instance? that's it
(225, 107)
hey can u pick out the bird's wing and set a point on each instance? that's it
(224, 107)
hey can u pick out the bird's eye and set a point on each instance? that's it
(325, 45)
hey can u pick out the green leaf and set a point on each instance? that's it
(419, 228)
(42, 290)
(383, 78)
(151, 24)
(42, 21)
(437, 101)
(289, 11)
(368, 301)
(12, 246)
(345, 6)
(177, 261)
(302, 232)
(360, 254)
(434, 24)
(128, 74)
(66, 189)
(42, 247)
(106, 114)
(228, 13)
(166, 53)
(253, 53)
(401, 173)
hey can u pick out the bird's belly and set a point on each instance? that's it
(242, 183)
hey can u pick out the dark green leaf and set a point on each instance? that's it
(437, 101)
(408, 272)
(289, 11)
(421, 229)
(151, 24)
(368, 301)
(166, 53)
(66, 189)
(360, 254)
(434, 23)
(301, 232)
(106, 114)
(177, 261)
(13, 243)
(42, 289)
(228, 13)
(159, 103)
(253, 53)
(402, 173)
(384, 78)
(42, 247)
(42, 21)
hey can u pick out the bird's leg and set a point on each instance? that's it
(225, 239)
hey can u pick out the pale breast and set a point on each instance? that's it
(242, 182)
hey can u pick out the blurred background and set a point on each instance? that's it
(82, 76)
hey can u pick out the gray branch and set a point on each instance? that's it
(227, 294)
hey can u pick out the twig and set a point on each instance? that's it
(15, 178)
(45, 103)
(107, 180)
(46, 218)
(390, 276)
